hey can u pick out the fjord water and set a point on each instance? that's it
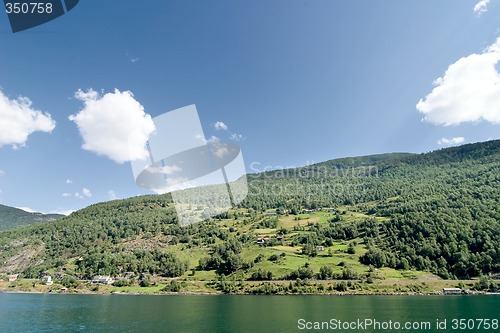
(191, 314)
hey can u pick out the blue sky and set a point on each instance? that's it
(293, 82)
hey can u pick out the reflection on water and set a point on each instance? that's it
(187, 313)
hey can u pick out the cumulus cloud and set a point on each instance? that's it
(451, 142)
(170, 169)
(69, 181)
(176, 181)
(481, 7)
(112, 195)
(218, 148)
(66, 195)
(220, 126)
(166, 170)
(86, 193)
(200, 137)
(65, 212)
(27, 209)
(213, 139)
(20, 119)
(176, 184)
(221, 151)
(469, 91)
(236, 137)
(107, 122)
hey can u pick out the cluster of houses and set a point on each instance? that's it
(11, 278)
(310, 211)
(264, 240)
(304, 211)
(106, 279)
(47, 279)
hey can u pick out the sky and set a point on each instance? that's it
(291, 82)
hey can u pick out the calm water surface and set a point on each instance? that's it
(191, 314)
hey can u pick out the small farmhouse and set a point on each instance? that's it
(47, 280)
(452, 291)
(261, 240)
(102, 279)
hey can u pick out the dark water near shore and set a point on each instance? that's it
(187, 313)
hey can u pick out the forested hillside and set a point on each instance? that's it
(442, 208)
(11, 217)
(436, 212)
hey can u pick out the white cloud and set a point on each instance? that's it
(218, 148)
(65, 212)
(176, 181)
(451, 142)
(200, 137)
(232, 136)
(66, 195)
(166, 170)
(69, 181)
(221, 151)
(107, 122)
(469, 91)
(236, 137)
(213, 139)
(220, 126)
(60, 211)
(27, 209)
(20, 119)
(112, 195)
(132, 59)
(481, 7)
(86, 192)
(170, 169)
(176, 184)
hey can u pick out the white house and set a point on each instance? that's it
(452, 291)
(102, 279)
(47, 279)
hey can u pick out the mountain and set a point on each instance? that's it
(11, 217)
(372, 217)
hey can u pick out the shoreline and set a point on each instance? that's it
(396, 287)
(81, 292)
